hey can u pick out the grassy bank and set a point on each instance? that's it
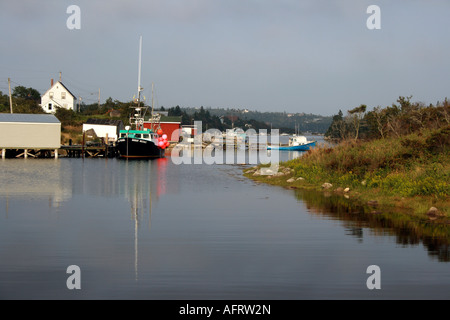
(411, 172)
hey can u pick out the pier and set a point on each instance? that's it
(90, 151)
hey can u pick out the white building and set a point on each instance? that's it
(58, 96)
(29, 132)
(104, 127)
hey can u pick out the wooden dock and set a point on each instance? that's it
(90, 151)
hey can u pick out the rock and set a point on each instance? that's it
(372, 203)
(433, 213)
(346, 190)
(327, 185)
(290, 180)
(339, 190)
(257, 173)
(300, 178)
(267, 171)
(363, 182)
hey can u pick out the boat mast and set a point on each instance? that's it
(152, 99)
(138, 116)
(139, 72)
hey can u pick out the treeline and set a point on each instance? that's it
(400, 119)
(210, 121)
(284, 121)
(25, 100)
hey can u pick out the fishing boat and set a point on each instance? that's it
(296, 143)
(137, 142)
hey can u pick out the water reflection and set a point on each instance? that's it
(357, 219)
(36, 179)
(143, 183)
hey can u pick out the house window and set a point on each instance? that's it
(49, 106)
(63, 95)
(50, 94)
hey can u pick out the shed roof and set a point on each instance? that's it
(28, 117)
(105, 122)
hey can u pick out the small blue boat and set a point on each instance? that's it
(296, 143)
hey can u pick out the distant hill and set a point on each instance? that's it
(285, 122)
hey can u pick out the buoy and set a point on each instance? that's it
(159, 132)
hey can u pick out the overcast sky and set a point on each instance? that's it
(313, 56)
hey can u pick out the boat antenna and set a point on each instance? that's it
(139, 72)
(152, 99)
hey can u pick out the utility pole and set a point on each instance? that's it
(98, 98)
(10, 97)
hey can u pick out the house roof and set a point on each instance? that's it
(28, 117)
(170, 119)
(104, 122)
(63, 87)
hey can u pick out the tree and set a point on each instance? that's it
(376, 120)
(26, 93)
(356, 115)
(338, 128)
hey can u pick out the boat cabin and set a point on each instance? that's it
(297, 140)
(137, 134)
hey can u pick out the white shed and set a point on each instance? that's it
(29, 131)
(104, 127)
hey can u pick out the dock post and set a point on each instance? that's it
(82, 144)
(106, 146)
(3, 153)
(56, 153)
(25, 153)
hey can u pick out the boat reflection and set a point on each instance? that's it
(143, 183)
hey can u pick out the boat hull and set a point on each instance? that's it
(133, 148)
(303, 147)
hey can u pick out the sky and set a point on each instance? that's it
(312, 56)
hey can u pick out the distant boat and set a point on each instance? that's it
(296, 143)
(140, 142)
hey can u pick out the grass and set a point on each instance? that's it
(411, 172)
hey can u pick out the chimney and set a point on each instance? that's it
(51, 83)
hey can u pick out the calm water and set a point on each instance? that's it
(156, 230)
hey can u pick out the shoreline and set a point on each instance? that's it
(423, 209)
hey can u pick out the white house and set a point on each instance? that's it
(58, 96)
